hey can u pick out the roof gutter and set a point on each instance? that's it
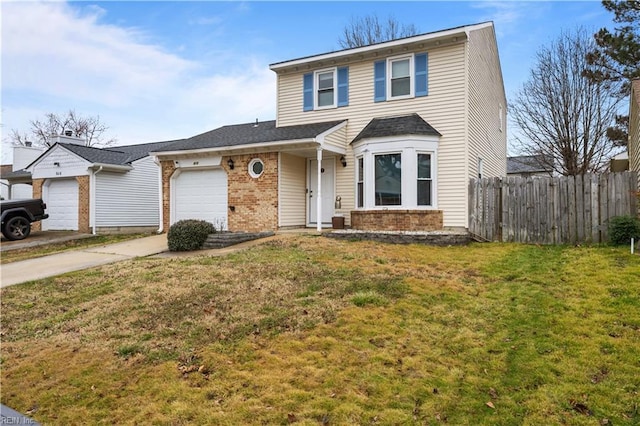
(424, 38)
(230, 149)
(108, 167)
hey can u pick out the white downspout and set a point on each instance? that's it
(319, 194)
(161, 208)
(93, 198)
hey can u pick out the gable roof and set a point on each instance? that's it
(251, 133)
(448, 35)
(119, 155)
(411, 124)
(527, 164)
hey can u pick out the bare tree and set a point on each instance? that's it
(370, 30)
(44, 130)
(562, 116)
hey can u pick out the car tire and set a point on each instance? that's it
(17, 228)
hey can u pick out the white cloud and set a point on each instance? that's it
(56, 57)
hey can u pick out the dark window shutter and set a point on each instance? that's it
(380, 81)
(307, 92)
(421, 68)
(343, 86)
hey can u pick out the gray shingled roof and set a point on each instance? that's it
(527, 164)
(248, 134)
(411, 124)
(118, 155)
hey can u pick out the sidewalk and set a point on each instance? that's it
(76, 260)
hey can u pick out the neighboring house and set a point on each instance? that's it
(95, 190)
(634, 128)
(528, 166)
(619, 162)
(387, 135)
(16, 181)
(4, 184)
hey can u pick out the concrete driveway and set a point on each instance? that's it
(75, 260)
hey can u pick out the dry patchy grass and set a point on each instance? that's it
(309, 330)
(59, 247)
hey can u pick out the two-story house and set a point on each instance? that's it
(386, 135)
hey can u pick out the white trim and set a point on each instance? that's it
(250, 168)
(408, 147)
(316, 88)
(411, 58)
(424, 38)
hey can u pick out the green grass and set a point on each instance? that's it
(311, 330)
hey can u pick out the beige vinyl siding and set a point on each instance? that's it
(345, 187)
(634, 128)
(292, 187)
(443, 108)
(337, 139)
(486, 96)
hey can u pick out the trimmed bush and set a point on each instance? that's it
(623, 228)
(189, 234)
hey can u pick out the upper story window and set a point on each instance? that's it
(400, 71)
(401, 77)
(328, 88)
(325, 94)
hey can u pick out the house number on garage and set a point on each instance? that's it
(195, 163)
(58, 173)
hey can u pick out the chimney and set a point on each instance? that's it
(27, 144)
(68, 133)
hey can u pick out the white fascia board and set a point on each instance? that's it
(320, 138)
(231, 149)
(113, 167)
(380, 46)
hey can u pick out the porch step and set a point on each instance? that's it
(226, 239)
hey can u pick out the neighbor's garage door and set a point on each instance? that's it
(62, 205)
(201, 194)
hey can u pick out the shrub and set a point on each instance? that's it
(189, 234)
(623, 228)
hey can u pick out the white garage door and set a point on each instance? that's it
(201, 194)
(61, 197)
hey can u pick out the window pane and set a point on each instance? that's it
(424, 166)
(360, 195)
(401, 87)
(400, 68)
(360, 185)
(360, 169)
(388, 185)
(325, 81)
(424, 193)
(325, 98)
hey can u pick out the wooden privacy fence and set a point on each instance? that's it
(550, 210)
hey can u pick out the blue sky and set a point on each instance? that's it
(165, 70)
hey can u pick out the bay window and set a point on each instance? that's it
(396, 173)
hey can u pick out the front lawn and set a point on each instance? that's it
(310, 330)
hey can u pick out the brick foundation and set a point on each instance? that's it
(396, 220)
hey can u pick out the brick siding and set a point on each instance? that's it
(84, 197)
(396, 220)
(253, 202)
(36, 192)
(168, 167)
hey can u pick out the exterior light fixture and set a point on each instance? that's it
(57, 164)
(230, 163)
(343, 161)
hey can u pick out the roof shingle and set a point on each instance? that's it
(411, 124)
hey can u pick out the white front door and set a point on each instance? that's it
(328, 190)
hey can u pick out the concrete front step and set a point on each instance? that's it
(226, 239)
